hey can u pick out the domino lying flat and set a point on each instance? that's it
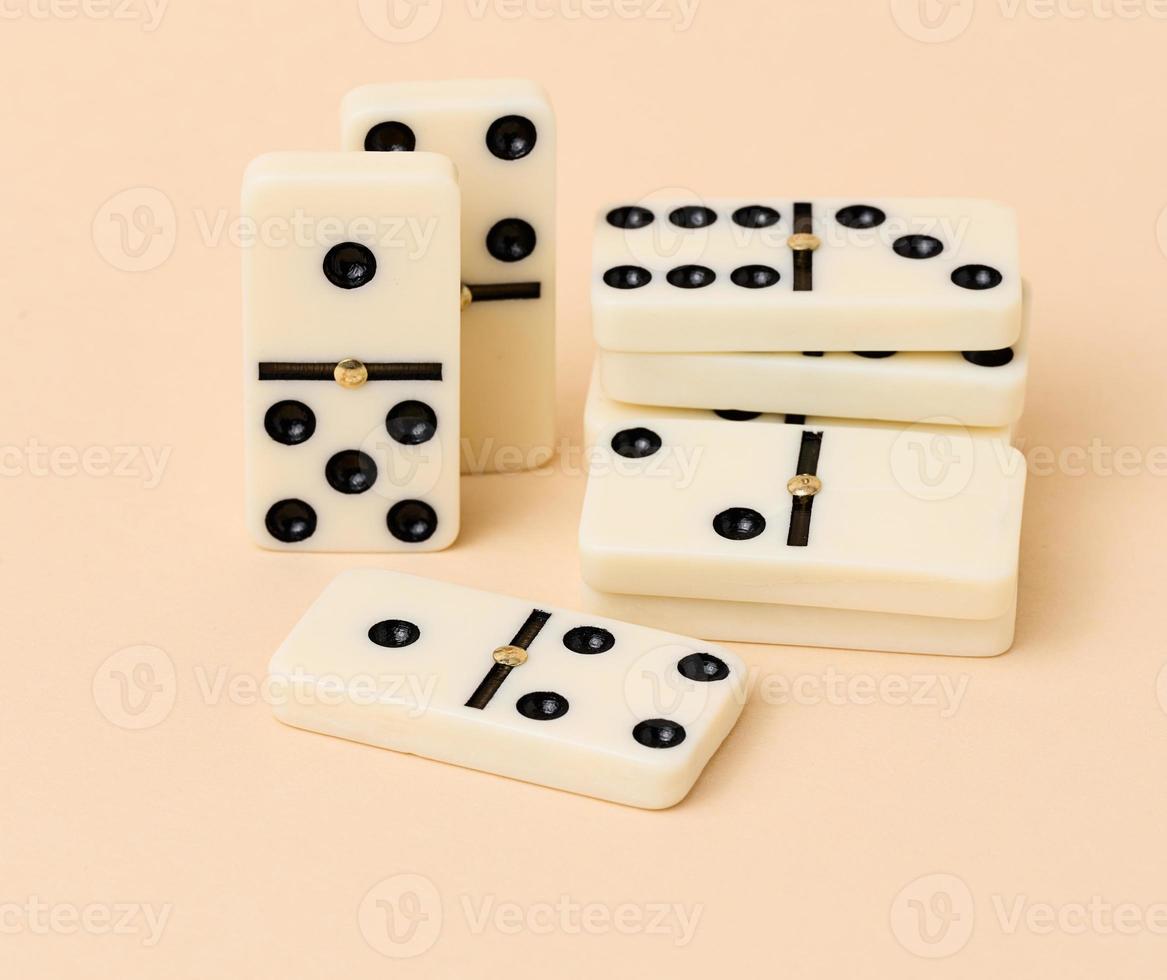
(501, 136)
(874, 538)
(602, 413)
(906, 274)
(548, 696)
(986, 389)
(352, 352)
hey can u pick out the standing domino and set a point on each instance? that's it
(501, 136)
(895, 274)
(545, 695)
(352, 352)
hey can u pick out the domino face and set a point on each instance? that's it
(352, 352)
(924, 523)
(501, 136)
(834, 274)
(544, 695)
(602, 413)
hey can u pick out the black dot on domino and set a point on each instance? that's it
(874, 354)
(627, 277)
(394, 633)
(977, 277)
(411, 521)
(635, 443)
(703, 667)
(290, 422)
(390, 137)
(739, 524)
(290, 521)
(693, 216)
(630, 216)
(691, 276)
(659, 733)
(989, 358)
(588, 640)
(860, 216)
(754, 276)
(349, 265)
(510, 240)
(917, 247)
(511, 137)
(732, 415)
(542, 705)
(411, 423)
(756, 216)
(350, 471)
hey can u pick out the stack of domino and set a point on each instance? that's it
(800, 422)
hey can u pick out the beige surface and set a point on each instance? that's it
(1037, 778)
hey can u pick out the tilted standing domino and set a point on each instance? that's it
(352, 352)
(489, 682)
(501, 136)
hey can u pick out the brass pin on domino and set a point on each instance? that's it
(350, 373)
(804, 485)
(804, 241)
(510, 656)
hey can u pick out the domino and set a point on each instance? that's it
(813, 626)
(891, 538)
(501, 136)
(351, 327)
(602, 412)
(834, 274)
(980, 390)
(515, 688)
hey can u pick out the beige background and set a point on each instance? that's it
(1036, 788)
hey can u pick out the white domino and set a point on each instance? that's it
(500, 134)
(985, 390)
(515, 688)
(351, 324)
(835, 274)
(602, 413)
(914, 524)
